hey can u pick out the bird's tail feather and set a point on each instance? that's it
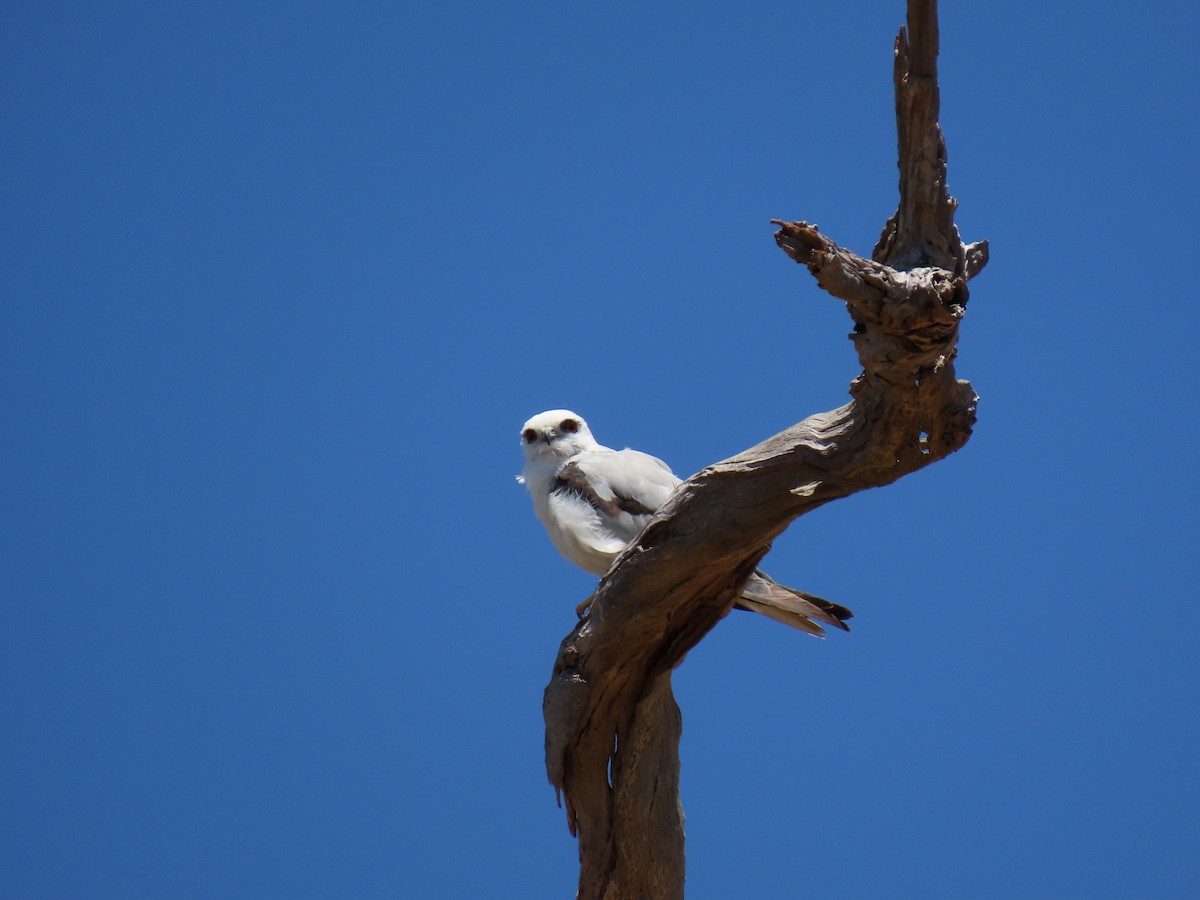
(799, 609)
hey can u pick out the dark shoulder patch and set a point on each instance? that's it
(571, 479)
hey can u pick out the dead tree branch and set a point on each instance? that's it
(612, 726)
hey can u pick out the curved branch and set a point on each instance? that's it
(611, 725)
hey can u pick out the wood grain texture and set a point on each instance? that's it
(612, 726)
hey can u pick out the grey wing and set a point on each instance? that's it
(624, 487)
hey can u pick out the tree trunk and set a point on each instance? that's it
(612, 726)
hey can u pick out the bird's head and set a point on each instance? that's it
(557, 433)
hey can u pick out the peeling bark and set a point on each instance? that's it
(612, 726)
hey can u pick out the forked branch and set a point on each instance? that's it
(612, 726)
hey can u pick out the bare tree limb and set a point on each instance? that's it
(922, 231)
(612, 726)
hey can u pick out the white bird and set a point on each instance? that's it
(594, 500)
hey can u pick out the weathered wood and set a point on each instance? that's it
(612, 727)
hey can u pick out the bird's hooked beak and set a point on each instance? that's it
(543, 442)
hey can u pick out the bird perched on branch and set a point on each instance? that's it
(594, 500)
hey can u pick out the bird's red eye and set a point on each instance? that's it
(570, 426)
(529, 435)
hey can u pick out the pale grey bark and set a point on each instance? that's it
(612, 726)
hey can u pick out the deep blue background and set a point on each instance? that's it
(281, 283)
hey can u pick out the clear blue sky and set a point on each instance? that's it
(281, 283)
